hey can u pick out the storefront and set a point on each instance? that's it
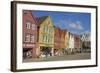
(45, 51)
(29, 51)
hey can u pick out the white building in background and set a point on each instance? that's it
(71, 42)
(85, 40)
(85, 36)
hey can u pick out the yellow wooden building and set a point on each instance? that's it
(67, 40)
(63, 33)
(45, 36)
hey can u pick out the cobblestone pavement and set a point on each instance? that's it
(77, 56)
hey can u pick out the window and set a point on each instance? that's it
(32, 38)
(47, 38)
(27, 38)
(33, 26)
(45, 28)
(48, 22)
(43, 38)
(28, 25)
(50, 30)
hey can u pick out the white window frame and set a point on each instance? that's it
(32, 37)
(28, 24)
(33, 26)
(27, 38)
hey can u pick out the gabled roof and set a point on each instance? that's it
(25, 12)
(41, 19)
(57, 30)
(63, 32)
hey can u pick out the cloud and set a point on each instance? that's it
(62, 23)
(68, 24)
(76, 25)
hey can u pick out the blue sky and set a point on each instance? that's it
(74, 22)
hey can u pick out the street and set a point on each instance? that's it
(77, 56)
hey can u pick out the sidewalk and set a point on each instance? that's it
(78, 56)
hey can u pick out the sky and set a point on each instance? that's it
(75, 22)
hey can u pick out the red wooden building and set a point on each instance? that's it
(29, 34)
(77, 43)
(57, 40)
